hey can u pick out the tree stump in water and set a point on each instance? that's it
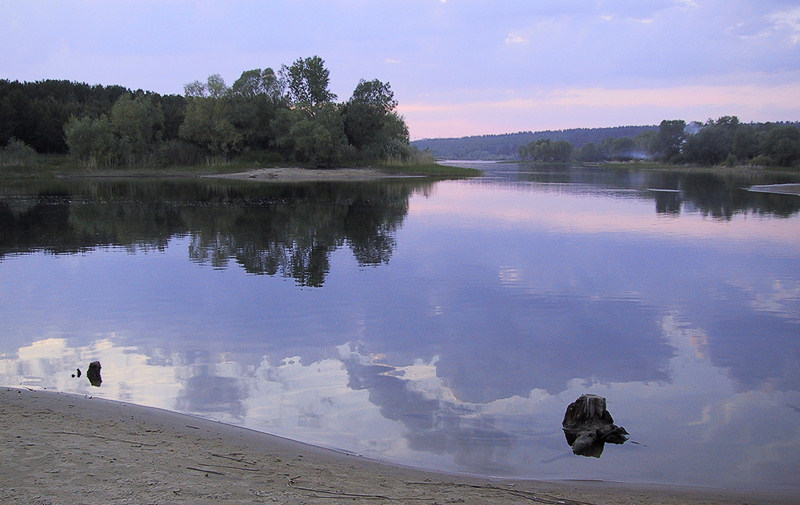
(93, 374)
(588, 426)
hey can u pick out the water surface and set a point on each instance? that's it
(440, 324)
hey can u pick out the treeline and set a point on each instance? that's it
(723, 141)
(506, 146)
(287, 115)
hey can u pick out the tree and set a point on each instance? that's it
(137, 123)
(782, 145)
(376, 95)
(671, 135)
(745, 144)
(307, 80)
(256, 98)
(393, 138)
(590, 152)
(623, 148)
(713, 144)
(208, 117)
(320, 140)
(91, 140)
(547, 151)
(647, 142)
(370, 123)
(259, 83)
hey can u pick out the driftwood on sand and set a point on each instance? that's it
(588, 426)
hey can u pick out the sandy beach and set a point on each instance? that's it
(294, 174)
(68, 449)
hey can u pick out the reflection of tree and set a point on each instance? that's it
(294, 231)
(289, 230)
(718, 195)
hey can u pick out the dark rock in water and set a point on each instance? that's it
(79, 372)
(93, 374)
(588, 426)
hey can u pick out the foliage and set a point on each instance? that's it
(137, 124)
(370, 123)
(782, 145)
(320, 140)
(207, 122)
(547, 151)
(506, 146)
(289, 115)
(17, 154)
(307, 80)
(91, 140)
(726, 141)
(671, 134)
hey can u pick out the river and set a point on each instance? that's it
(445, 325)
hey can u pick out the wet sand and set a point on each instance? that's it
(293, 174)
(68, 449)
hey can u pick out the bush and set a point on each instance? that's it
(762, 161)
(180, 153)
(17, 154)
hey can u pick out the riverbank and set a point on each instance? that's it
(295, 174)
(780, 189)
(68, 449)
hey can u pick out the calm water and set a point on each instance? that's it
(444, 325)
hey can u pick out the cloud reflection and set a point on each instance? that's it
(354, 400)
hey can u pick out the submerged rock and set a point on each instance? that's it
(588, 426)
(93, 374)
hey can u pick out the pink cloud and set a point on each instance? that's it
(598, 107)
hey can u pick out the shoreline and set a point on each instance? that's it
(296, 174)
(777, 189)
(75, 449)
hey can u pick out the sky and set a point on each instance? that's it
(457, 67)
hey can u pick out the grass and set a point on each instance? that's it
(52, 166)
(429, 170)
(422, 163)
(56, 166)
(718, 169)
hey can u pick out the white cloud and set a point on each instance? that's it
(790, 20)
(514, 38)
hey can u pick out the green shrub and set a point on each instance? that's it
(17, 154)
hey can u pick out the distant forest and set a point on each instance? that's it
(269, 116)
(724, 141)
(506, 146)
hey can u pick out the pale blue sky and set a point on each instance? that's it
(457, 67)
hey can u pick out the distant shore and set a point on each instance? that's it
(65, 449)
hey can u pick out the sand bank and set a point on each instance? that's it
(67, 449)
(292, 174)
(781, 189)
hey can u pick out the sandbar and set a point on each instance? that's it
(295, 174)
(59, 448)
(780, 189)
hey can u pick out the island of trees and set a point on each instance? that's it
(724, 141)
(264, 116)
